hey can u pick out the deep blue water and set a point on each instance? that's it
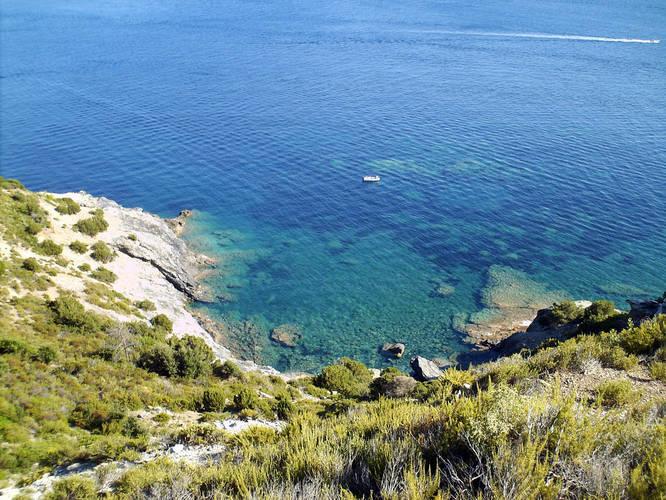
(547, 155)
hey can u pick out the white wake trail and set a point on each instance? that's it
(543, 36)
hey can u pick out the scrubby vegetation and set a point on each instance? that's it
(104, 275)
(582, 418)
(93, 225)
(102, 252)
(67, 206)
(78, 247)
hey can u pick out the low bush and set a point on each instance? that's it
(104, 275)
(227, 370)
(85, 267)
(67, 206)
(213, 399)
(645, 338)
(348, 377)
(145, 305)
(245, 399)
(616, 393)
(162, 322)
(598, 312)
(73, 488)
(68, 311)
(49, 247)
(284, 409)
(12, 346)
(158, 359)
(93, 225)
(78, 247)
(102, 252)
(30, 264)
(658, 370)
(193, 357)
(45, 354)
(566, 312)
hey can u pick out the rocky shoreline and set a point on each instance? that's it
(154, 263)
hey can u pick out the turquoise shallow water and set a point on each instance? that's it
(543, 154)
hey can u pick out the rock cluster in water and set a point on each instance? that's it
(286, 335)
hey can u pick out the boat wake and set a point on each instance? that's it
(545, 36)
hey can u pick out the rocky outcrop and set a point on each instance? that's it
(424, 369)
(286, 335)
(144, 236)
(511, 299)
(177, 224)
(646, 309)
(393, 349)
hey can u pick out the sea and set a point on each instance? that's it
(527, 136)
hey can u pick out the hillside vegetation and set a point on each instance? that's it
(579, 418)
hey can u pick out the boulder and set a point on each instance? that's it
(424, 369)
(646, 309)
(393, 349)
(399, 387)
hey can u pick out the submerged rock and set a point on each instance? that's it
(393, 349)
(424, 369)
(511, 299)
(286, 335)
(443, 290)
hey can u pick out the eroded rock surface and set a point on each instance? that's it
(424, 369)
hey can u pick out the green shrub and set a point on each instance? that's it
(348, 377)
(33, 228)
(85, 267)
(3, 268)
(598, 311)
(67, 206)
(198, 434)
(49, 247)
(193, 357)
(245, 399)
(30, 264)
(12, 346)
(78, 247)
(92, 225)
(162, 322)
(658, 370)
(73, 488)
(68, 311)
(11, 184)
(616, 393)
(45, 354)
(132, 237)
(566, 312)
(93, 415)
(145, 305)
(161, 418)
(213, 399)
(227, 370)
(102, 252)
(158, 359)
(645, 338)
(283, 407)
(104, 275)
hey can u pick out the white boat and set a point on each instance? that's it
(371, 178)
